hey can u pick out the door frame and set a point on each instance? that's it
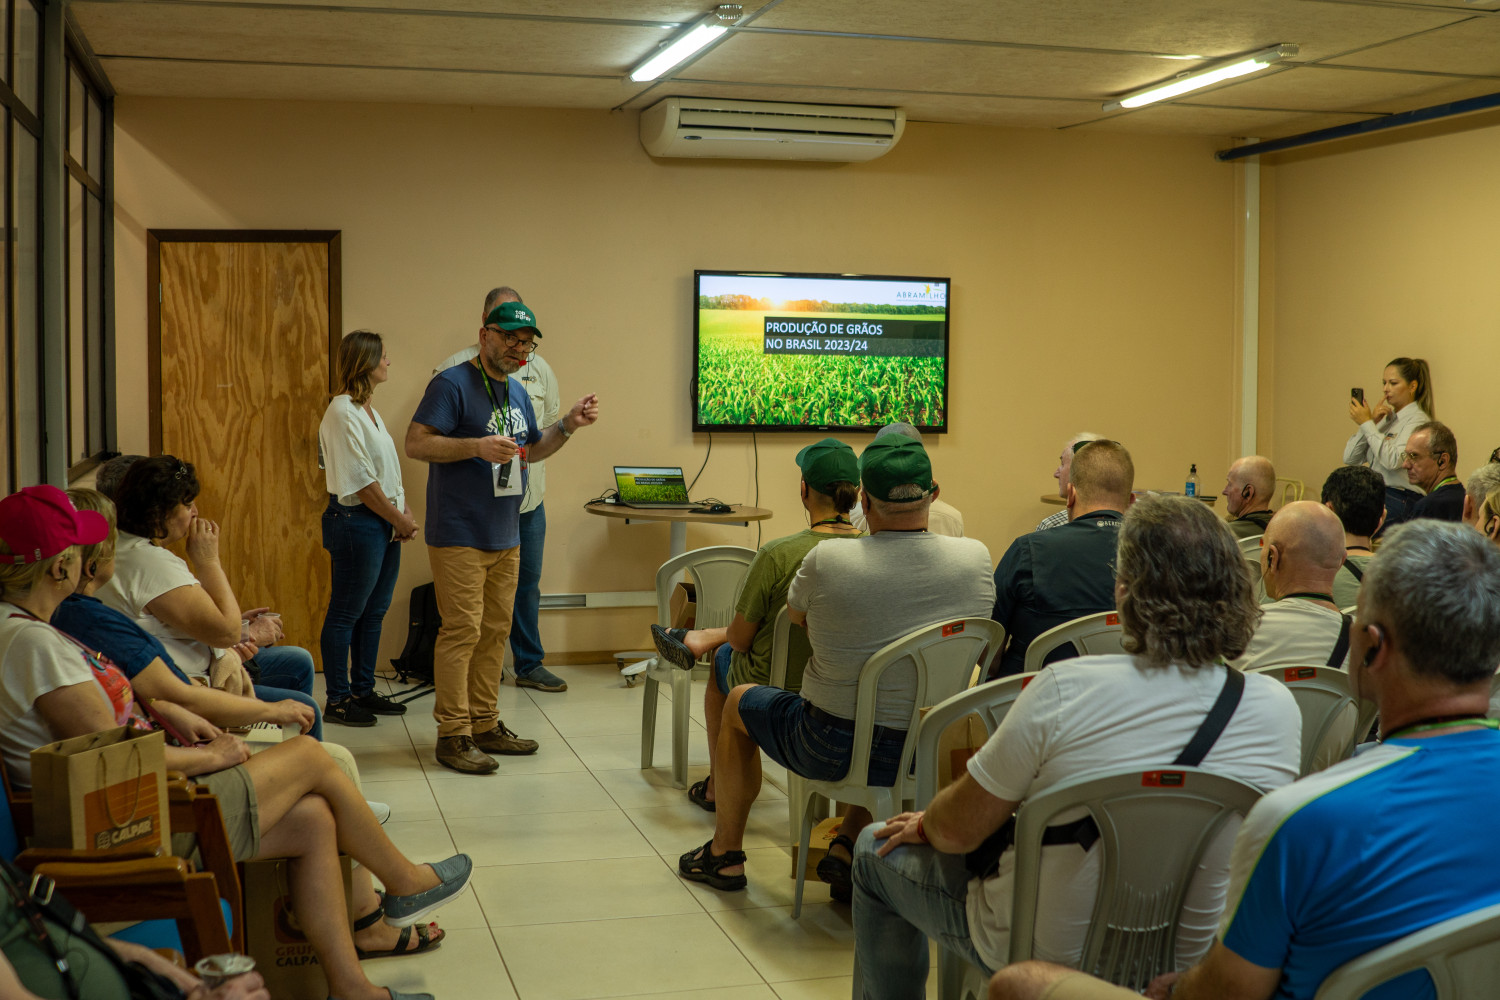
(156, 237)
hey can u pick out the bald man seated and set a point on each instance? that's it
(1301, 553)
(1247, 494)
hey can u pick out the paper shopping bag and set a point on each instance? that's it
(102, 791)
(273, 935)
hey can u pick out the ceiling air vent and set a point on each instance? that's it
(763, 130)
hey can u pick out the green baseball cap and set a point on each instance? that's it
(893, 461)
(827, 462)
(513, 316)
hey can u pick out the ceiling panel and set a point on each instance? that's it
(1012, 112)
(352, 38)
(1471, 47)
(154, 78)
(967, 69)
(1313, 88)
(1180, 118)
(666, 11)
(1205, 27)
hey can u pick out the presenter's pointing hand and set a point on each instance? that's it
(583, 413)
(497, 448)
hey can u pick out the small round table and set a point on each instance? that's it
(678, 518)
(1058, 501)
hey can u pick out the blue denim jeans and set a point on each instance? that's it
(807, 740)
(365, 562)
(287, 672)
(900, 900)
(525, 626)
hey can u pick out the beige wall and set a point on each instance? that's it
(1384, 252)
(1093, 288)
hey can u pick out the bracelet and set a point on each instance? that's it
(563, 426)
(922, 834)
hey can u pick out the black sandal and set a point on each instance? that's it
(426, 940)
(703, 865)
(698, 796)
(670, 645)
(834, 870)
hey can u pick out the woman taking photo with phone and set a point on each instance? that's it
(363, 526)
(1382, 431)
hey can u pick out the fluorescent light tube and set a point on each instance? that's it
(704, 32)
(1205, 77)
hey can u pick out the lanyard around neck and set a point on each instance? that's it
(1442, 722)
(501, 426)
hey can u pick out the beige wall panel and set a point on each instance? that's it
(1210, 28)
(1179, 118)
(1313, 88)
(1470, 47)
(1381, 253)
(1093, 287)
(352, 38)
(152, 78)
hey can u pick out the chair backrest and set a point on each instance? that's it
(1250, 547)
(1090, 635)
(10, 840)
(1332, 722)
(1154, 827)
(1290, 490)
(944, 656)
(1252, 566)
(990, 701)
(716, 573)
(1461, 955)
(781, 637)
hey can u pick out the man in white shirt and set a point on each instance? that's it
(525, 630)
(1063, 474)
(1302, 552)
(942, 517)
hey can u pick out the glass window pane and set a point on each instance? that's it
(95, 163)
(26, 54)
(77, 446)
(75, 116)
(93, 318)
(27, 375)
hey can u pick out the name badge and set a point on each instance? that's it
(507, 477)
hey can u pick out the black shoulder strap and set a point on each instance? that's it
(1213, 724)
(1341, 648)
(1354, 570)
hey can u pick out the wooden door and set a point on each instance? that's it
(242, 335)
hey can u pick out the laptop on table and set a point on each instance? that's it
(652, 487)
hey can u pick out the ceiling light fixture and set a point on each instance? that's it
(1206, 77)
(700, 34)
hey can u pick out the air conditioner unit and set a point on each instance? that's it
(764, 130)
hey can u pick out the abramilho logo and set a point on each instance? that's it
(929, 293)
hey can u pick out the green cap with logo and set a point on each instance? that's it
(827, 462)
(891, 461)
(512, 316)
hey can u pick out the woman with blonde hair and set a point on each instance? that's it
(366, 519)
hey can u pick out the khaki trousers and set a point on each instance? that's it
(476, 592)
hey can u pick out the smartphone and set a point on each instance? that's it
(1358, 394)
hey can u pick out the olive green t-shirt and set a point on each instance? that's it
(95, 975)
(761, 599)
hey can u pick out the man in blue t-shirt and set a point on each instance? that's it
(476, 428)
(1383, 845)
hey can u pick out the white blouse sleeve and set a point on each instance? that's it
(347, 463)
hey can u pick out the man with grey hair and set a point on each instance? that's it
(526, 631)
(1431, 461)
(1484, 481)
(1384, 844)
(942, 517)
(1247, 494)
(1063, 475)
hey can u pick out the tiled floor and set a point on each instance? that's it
(576, 893)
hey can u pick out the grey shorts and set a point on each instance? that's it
(236, 795)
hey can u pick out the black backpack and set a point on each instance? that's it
(415, 661)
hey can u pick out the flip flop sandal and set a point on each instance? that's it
(427, 939)
(698, 796)
(834, 870)
(704, 866)
(669, 644)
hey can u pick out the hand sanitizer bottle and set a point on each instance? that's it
(1190, 488)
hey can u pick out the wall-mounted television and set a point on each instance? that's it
(818, 352)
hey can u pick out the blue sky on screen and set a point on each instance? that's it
(825, 289)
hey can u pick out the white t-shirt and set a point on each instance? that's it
(1293, 632)
(885, 586)
(357, 452)
(35, 659)
(942, 519)
(143, 572)
(1109, 712)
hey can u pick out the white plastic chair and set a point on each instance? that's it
(1090, 635)
(943, 656)
(1250, 547)
(1325, 697)
(1154, 826)
(1461, 954)
(716, 572)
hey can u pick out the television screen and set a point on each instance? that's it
(831, 352)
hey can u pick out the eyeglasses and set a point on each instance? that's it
(511, 340)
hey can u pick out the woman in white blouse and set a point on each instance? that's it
(1380, 440)
(366, 520)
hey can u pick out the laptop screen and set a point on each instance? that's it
(651, 484)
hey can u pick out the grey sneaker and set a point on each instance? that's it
(542, 679)
(403, 911)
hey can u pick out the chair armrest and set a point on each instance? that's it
(30, 858)
(143, 872)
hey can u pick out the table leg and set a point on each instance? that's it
(679, 539)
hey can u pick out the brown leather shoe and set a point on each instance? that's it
(461, 754)
(502, 741)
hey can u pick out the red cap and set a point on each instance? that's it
(40, 521)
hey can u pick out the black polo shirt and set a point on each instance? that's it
(1047, 578)
(1446, 503)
